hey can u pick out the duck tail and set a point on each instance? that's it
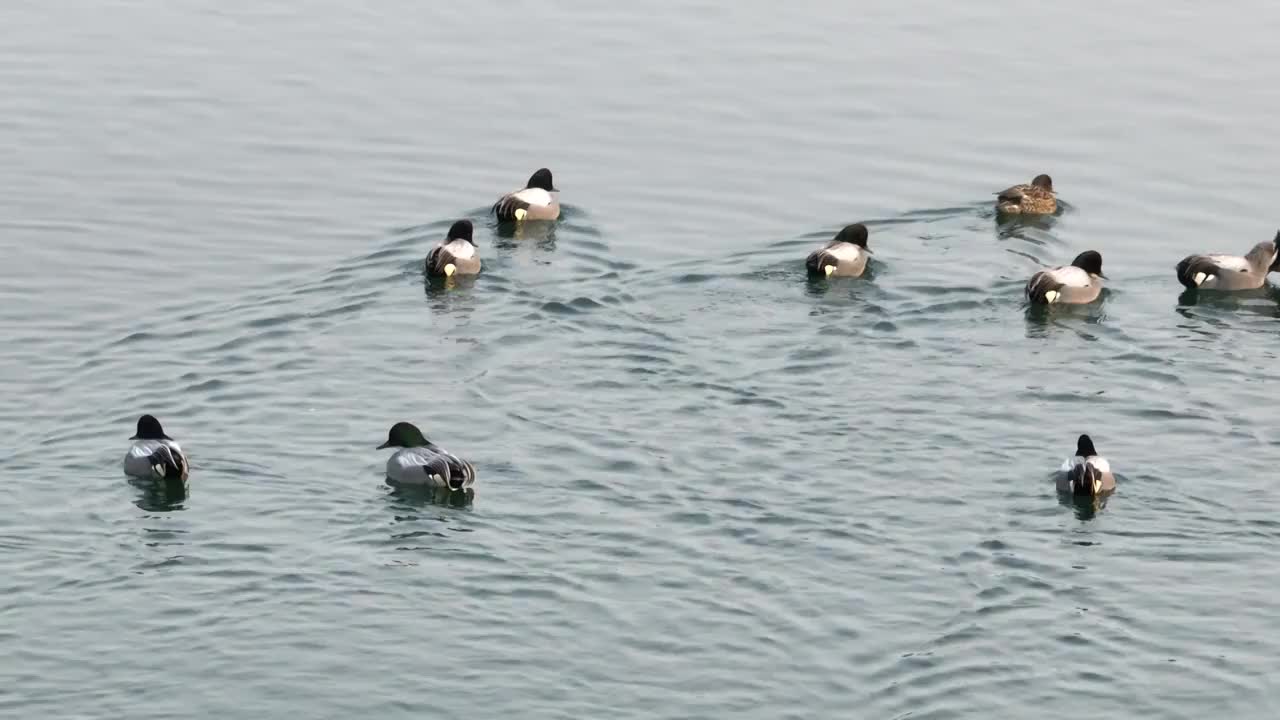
(1042, 289)
(510, 209)
(1194, 270)
(820, 263)
(461, 474)
(1084, 478)
(167, 464)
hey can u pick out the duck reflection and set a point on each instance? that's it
(160, 495)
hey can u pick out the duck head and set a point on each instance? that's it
(1084, 447)
(462, 230)
(1090, 261)
(149, 429)
(542, 180)
(855, 234)
(404, 435)
(1044, 182)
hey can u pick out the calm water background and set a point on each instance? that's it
(709, 487)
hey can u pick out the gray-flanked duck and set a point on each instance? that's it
(456, 254)
(418, 461)
(1088, 473)
(538, 200)
(154, 455)
(845, 256)
(1074, 284)
(1231, 272)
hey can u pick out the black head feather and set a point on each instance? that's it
(1090, 261)
(855, 233)
(405, 435)
(542, 180)
(1084, 447)
(462, 230)
(149, 429)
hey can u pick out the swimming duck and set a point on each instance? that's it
(1231, 272)
(421, 462)
(456, 254)
(1087, 473)
(154, 455)
(845, 256)
(1074, 284)
(1034, 199)
(534, 202)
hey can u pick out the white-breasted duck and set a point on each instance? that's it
(1074, 284)
(1088, 473)
(154, 455)
(456, 254)
(418, 461)
(845, 256)
(1231, 272)
(538, 200)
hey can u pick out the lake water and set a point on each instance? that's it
(708, 487)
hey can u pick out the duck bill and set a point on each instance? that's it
(384, 445)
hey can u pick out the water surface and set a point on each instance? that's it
(709, 487)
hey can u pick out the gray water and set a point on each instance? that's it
(708, 487)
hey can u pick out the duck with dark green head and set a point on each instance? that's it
(154, 455)
(1087, 473)
(456, 254)
(845, 255)
(1079, 283)
(1231, 272)
(537, 200)
(418, 461)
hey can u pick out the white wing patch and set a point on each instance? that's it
(1100, 463)
(533, 196)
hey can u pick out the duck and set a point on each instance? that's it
(845, 256)
(154, 455)
(1075, 284)
(456, 254)
(1231, 272)
(1088, 473)
(418, 461)
(1036, 198)
(535, 201)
